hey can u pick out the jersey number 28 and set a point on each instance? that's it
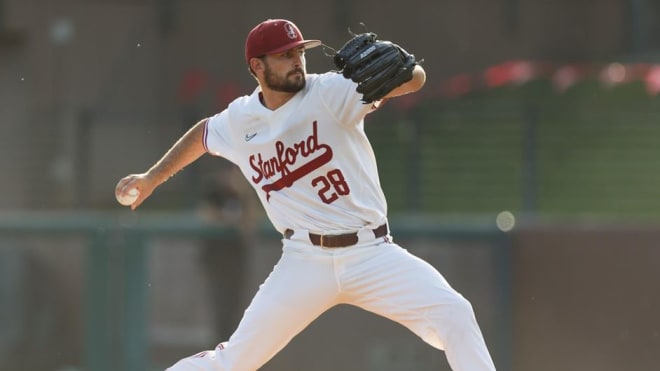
(333, 185)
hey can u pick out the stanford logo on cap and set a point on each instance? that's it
(290, 31)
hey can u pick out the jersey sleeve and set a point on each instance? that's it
(341, 98)
(217, 136)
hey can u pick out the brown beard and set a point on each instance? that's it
(278, 83)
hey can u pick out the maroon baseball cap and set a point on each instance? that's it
(274, 36)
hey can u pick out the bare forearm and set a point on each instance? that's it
(418, 80)
(185, 151)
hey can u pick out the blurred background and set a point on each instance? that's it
(526, 171)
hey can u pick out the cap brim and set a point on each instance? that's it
(307, 43)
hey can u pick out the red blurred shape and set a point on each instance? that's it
(565, 77)
(652, 80)
(614, 74)
(192, 84)
(522, 71)
(497, 75)
(457, 85)
(226, 93)
(516, 72)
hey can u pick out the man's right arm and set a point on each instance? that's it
(186, 150)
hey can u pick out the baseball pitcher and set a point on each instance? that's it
(299, 140)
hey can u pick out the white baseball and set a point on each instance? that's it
(129, 198)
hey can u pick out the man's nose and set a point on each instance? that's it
(297, 60)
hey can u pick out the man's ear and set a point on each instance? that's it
(257, 64)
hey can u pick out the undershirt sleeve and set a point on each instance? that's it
(217, 138)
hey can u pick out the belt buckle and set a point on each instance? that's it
(321, 241)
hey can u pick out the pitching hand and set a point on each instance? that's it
(141, 182)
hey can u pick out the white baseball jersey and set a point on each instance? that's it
(310, 160)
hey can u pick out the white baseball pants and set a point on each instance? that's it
(376, 275)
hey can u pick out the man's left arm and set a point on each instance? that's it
(380, 68)
(417, 82)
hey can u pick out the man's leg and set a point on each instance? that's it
(408, 290)
(300, 288)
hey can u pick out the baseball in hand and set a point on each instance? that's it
(129, 198)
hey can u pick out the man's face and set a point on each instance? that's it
(285, 72)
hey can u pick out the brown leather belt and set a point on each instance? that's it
(338, 240)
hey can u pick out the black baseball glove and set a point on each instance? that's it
(377, 66)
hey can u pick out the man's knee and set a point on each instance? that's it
(449, 320)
